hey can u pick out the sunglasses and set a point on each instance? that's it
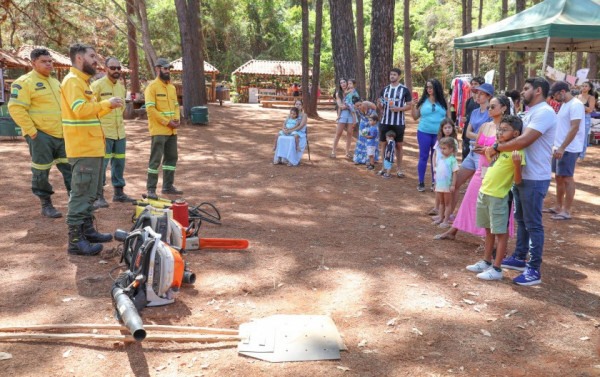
(432, 107)
(114, 68)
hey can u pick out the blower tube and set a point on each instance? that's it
(128, 314)
(189, 277)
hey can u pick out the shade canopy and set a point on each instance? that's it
(60, 60)
(178, 67)
(270, 68)
(571, 25)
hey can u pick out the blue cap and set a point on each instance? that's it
(486, 88)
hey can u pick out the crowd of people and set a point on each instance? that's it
(511, 145)
(77, 125)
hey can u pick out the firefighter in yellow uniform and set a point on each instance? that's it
(114, 132)
(162, 108)
(84, 143)
(35, 106)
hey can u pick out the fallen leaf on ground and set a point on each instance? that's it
(67, 353)
(345, 369)
(160, 367)
(511, 313)
(584, 338)
(5, 356)
(485, 332)
(362, 343)
(392, 322)
(416, 331)
(470, 302)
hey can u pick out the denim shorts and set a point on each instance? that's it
(492, 213)
(565, 167)
(346, 117)
(470, 163)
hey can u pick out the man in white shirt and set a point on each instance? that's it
(568, 144)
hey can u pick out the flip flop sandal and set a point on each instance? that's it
(400, 174)
(381, 172)
(386, 176)
(433, 212)
(332, 155)
(550, 210)
(561, 216)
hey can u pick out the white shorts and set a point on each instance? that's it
(371, 151)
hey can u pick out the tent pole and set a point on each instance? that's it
(545, 56)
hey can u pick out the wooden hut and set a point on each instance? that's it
(209, 69)
(266, 77)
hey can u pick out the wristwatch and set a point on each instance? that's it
(495, 146)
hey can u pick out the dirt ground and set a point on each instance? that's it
(326, 237)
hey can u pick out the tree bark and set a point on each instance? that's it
(316, 69)
(578, 61)
(305, 52)
(360, 48)
(520, 58)
(194, 87)
(467, 15)
(134, 60)
(593, 64)
(502, 56)
(382, 47)
(478, 27)
(407, 39)
(343, 41)
(142, 15)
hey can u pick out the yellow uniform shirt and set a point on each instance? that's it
(112, 123)
(500, 176)
(80, 111)
(161, 107)
(35, 104)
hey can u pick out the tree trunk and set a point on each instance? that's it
(520, 58)
(316, 69)
(407, 39)
(134, 60)
(467, 16)
(502, 57)
(478, 27)
(578, 61)
(360, 48)
(593, 64)
(194, 87)
(382, 45)
(142, 15)
(550, 60)
(305, 63)
(343, 41)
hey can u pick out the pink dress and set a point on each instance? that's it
(466, 217)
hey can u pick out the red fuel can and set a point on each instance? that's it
(180, 212)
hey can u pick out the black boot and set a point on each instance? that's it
(91, 234)
(78, 245)
(48, 209)
(100, 202)
(171, 190)
(120, 196)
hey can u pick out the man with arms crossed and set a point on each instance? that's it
(394, 100)
(539, 125)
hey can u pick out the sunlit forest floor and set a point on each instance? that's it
(327, 237)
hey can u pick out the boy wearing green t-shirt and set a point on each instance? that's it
(492, 201)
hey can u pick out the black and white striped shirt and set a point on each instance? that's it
(399, 96)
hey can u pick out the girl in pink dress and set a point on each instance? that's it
(465, 218)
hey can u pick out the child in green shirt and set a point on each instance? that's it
(492, 201)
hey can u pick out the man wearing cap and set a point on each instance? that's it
(539, 126)
(35, 106)
(568, 144)
(114, 133)
(163, 120)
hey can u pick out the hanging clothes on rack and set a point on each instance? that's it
(460, 94)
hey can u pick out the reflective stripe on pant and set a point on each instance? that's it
(115, 154)
(163, 151)
(86, 180)
(45, 151)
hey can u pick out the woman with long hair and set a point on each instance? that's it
(588, 97)
(430, 110)
(346, 117)
(486, 136)
(364, 109)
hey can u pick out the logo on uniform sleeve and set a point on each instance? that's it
(17, 86)
(39, 84)
(14, 93)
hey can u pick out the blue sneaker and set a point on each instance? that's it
(513, 263)
(531, 276)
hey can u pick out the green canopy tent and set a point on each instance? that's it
(552, 25)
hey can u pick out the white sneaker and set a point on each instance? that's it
(490, 274)
(479, 266)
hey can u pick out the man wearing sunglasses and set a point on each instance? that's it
(114, 133)
(163, 120)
